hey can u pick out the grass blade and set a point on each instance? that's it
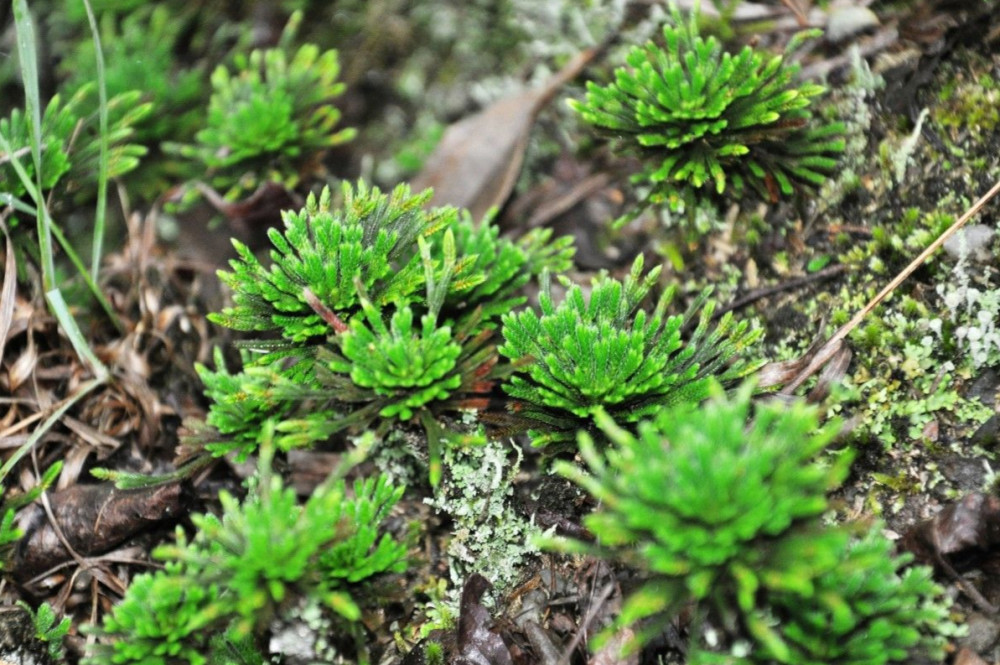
(27, 60)
(102, 174)
(26, 49)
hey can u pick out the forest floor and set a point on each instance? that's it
(920, 92)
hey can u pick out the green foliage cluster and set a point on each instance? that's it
(243, 568)
(384, 310)
(139, 54)
(47, 630)
(723, 507)
(419, 362)
(70, 146)
(700, 117)
(333, 256)
(603, 354)
(9, 506)
(271, 117)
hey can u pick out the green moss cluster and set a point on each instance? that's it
(700, 117)
(270, 117)
(604, 354)
(385, 312)
(722, 507)
(240, 569)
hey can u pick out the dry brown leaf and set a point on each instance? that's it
(479, 158)
(966, 656)
(476, 643)
(93, 518)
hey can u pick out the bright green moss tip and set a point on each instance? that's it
(700, 117)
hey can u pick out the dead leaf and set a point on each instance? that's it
(93, 519)
(963, 532)
(966, 656)
(964, 535)
(477, 644)
(479, 158)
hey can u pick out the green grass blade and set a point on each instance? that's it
(43, 213)
(26, 49)
(17, 204)
(72, 330)
(102, 174)
(27, 61)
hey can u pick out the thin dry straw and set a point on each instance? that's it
(833, 344)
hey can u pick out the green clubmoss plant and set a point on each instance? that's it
(603, 354)
(384, 312)
(323, 254)
(139, 48)
(70, 147)
(271, 118)
(700, 117)
(721, 505)
(869, 609)
(243, 568)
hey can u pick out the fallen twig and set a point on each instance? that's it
(791, 285)
(832, 345)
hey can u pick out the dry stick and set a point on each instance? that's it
(585, 624)
(825, 353)
(754, 296)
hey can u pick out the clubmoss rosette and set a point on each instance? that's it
(603, 354)
(700, 117)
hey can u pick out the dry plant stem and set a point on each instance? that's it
(581, 632)
(791, 285)
(828, 350)
(985, 606)
(800, 15)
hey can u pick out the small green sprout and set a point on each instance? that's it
(600, 355)
(10, 534)
(47, 630)
(700, 117)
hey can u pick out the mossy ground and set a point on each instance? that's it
(912, 399)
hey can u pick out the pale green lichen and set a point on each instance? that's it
(971, 310)
(488, 537)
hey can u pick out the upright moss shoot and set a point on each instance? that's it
(699, 117)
